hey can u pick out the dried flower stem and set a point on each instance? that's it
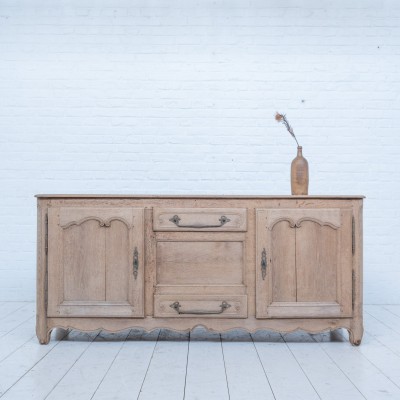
(282, 118)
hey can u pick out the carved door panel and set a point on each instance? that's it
(95, 262)
(304, 263)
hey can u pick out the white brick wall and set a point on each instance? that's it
(179, 97)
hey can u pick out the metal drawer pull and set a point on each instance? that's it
(176, 306)
(135, 262)
(223, 220)
(263, 264)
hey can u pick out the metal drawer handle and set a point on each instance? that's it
(135, 262)
(263, 264)
(223, 220)
(176, 306)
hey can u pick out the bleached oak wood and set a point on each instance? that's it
(190, 304)
(356, 329)
(42, 329)
(204, 219)
(189, 196)
(316, 294)
(200, 262)
(186, 324)
(282, 276)
(308, 263)
(91, 256)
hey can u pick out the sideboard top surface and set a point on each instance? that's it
(191, 196)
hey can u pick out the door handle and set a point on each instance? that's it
(176, 306)
(263, 263)
(135, 262)
(223, 220)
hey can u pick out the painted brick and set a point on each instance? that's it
(179, 97)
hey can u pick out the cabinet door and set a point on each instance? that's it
(95, 262)
(304, 263)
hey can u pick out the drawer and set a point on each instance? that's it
(200, 263)
(200, 306)
(200, 219)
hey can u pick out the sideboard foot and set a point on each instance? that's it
(356, 334)
(43, 335)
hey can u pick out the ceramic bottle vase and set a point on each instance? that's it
(299, 174)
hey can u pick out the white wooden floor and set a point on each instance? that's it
(202, 366)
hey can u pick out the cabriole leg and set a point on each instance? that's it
(356, 333)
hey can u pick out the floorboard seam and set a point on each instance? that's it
(187, 363)
(262, 366)
(15, 327)
(12, 312)
(10, 354)
(69, 369)
(340, 369)
(111, 364)
(298, 363)
(383, 344)
(37, 362)
(371, 362)
(223, 359)
(391, 312)
(383, 323)
(147, 370)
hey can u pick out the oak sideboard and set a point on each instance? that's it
(223, 262)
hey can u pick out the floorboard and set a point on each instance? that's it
(7, 308)
(359, 370)
(385, 317)
(203, 365)
(394, 309)
(126, 374)
(39, 381)
(22, 360)
(245, 373)
(16, 318)
(13, 340)
(287, 379)
(387, 361)
(85, 376)
(206, 376)
(165, 378)
(326, 377)
(383, 333)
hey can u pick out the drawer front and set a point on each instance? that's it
(199, 306)
(200, 262)
(200, 219)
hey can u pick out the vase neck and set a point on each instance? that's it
(299, 151)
